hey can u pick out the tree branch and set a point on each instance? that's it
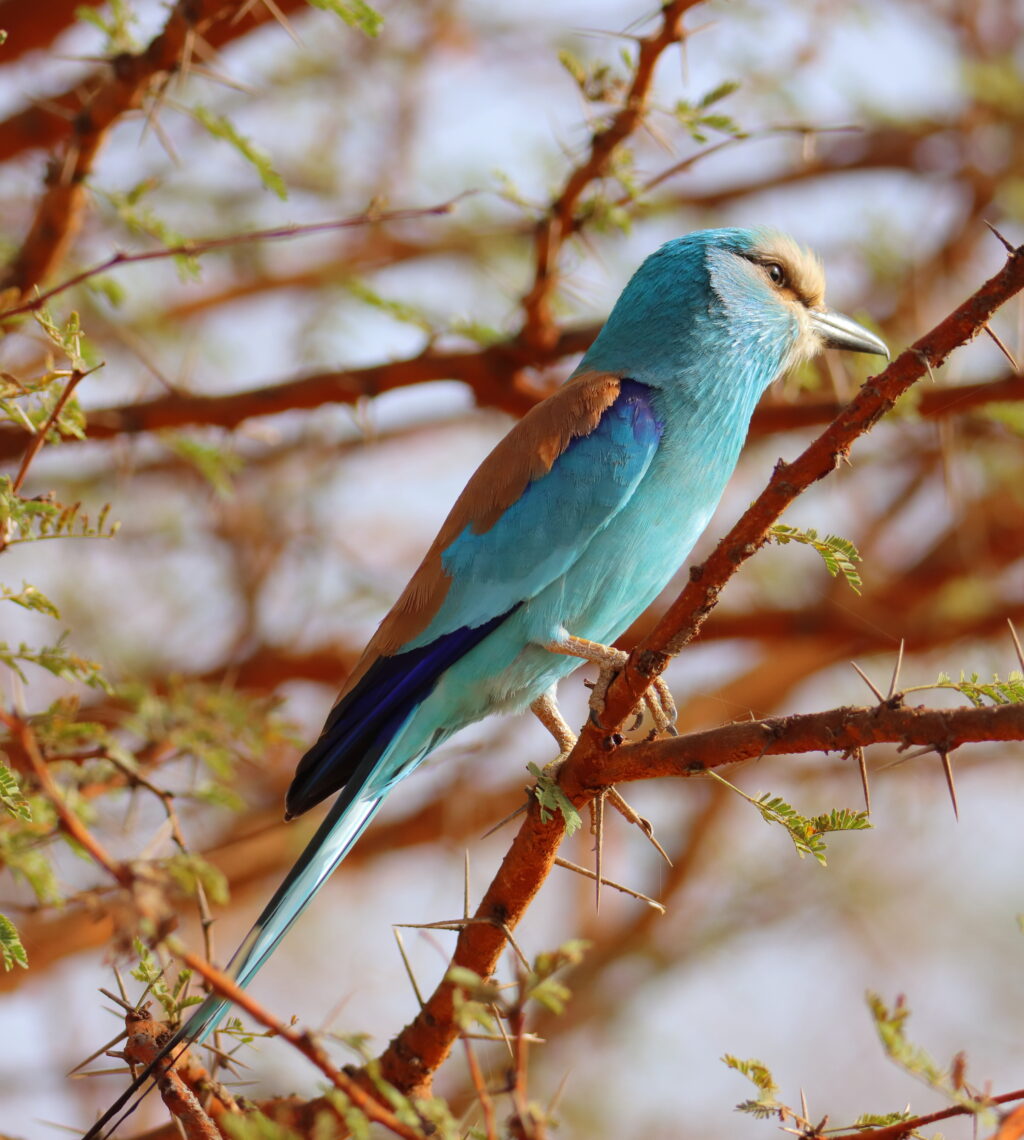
(559, 222)
(131, 78)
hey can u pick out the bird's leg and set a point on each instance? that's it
(660, 703)
(545, 709)
(609, 661)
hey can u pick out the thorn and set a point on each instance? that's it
(1016, 644)
(508, 819)
(867, 681)
(925, 361)
(597, 816)
(630, 814)
(1007, 244)
(947, 769)
(862, 763)
(1002, 347)
(408, 965)
(588, 874)
(99, 1053)
(896, 670)
(901, 759)
(127, 1006)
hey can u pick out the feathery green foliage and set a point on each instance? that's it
(978, 692)
(12, 952)
(356, 13)
(552, 799)
(221, 127)
(807, 833)
(838, 554)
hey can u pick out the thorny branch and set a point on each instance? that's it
(423, 1045)
(130, 80)
(558, 223)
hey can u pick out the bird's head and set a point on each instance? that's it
(719, 301)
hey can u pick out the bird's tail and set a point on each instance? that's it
(342, 826)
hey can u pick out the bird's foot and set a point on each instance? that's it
(545, 709)
(657, 700)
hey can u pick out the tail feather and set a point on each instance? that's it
(342, 826)
(361, 749)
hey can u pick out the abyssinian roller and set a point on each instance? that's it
(565, 533)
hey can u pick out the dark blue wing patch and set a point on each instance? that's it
(364, 721)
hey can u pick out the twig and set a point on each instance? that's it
(199, 246)
(70, 824)
(37, 441)
(559, 222)
(304, 1042)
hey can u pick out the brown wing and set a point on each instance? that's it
(525, 454)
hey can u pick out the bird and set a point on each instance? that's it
(566, 532)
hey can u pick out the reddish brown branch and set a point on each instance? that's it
(905, 1127)
(491, 373)
(70, 824)
(198, 246)
(558, 223)
(837, 730)
(303, 1041)
(415, 1054)
(131, 78)
(145, 1038)
(48, 124)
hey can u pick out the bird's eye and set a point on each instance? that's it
(775, 272)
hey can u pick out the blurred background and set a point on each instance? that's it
(364, 373)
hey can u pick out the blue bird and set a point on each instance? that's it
(567, 531)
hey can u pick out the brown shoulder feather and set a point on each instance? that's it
(525, 454)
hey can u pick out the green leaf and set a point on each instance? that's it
(552, 799)
(56, 659)
(11, 797)
(716, 94)
(255, 1126)
(758, 1073)
(806, 834)
(44, 517)
(978, 692)
(399, 310)
(217, 465)
(11, 949)
(29, 598)
(355, 13)
(573, 65)
(838, 554)
(116, 26)
(21, 855)
(891, 1025)
(222, 128)
(190, 871)
(877, 1120)
(139, 219)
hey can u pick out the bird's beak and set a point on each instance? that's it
(838, 331)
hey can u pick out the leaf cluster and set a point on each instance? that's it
(838, 554)
(806, 832)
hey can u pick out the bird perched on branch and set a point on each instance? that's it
(562, 537)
